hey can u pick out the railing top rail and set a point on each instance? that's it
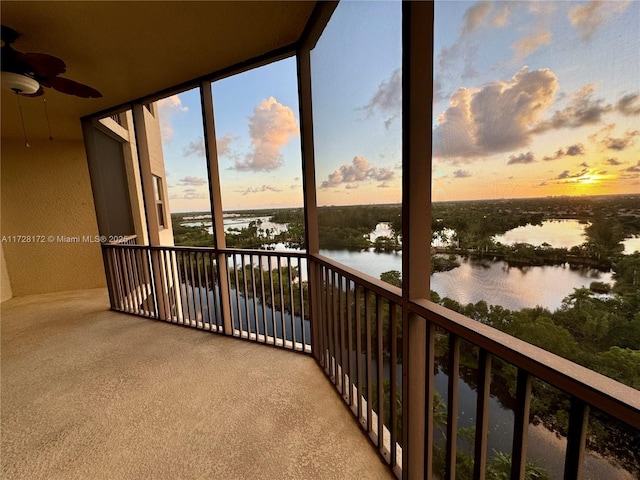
(378, 286)
(229, 251)
(606, 394)
(265, 253)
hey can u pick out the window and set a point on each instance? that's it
(157, 190)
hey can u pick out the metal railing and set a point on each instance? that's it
(266, 292)
(356, 334)
(361, 345)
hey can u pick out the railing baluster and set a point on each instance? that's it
(273, 303)
(186, 311)
(335, 292)
(367, 326)
(217, 311)
(113, 258)
(393, 365)
(430, 391)
(329, 321)
(139, 281)
(358, 320)
(255, 298)
(380, 371)
(521, 425)
(130, 295)
(246, 295)
(293, 313)
(132, 282)
(482, 414)
(136, 281)
(237, 286)
(193, 290)
(264, 300)
(341, 282)
(576, 439)
(198, 256)
(173, 278)
(302, 310)
(154, 257)
(125, 280)
(206, 258)
(153, 290)
(349, 342)
(282, 312)
(452, 406)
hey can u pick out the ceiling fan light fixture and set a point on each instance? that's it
(19, 83)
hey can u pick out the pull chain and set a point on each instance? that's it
(46, 112)
(24, 130)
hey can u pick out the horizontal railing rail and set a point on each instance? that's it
(358, 340)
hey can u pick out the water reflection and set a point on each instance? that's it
(557, 233)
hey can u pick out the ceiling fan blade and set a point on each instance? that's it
(42, 65)
(9, 35)
(71, 87)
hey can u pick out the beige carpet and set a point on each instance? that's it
(92, 394)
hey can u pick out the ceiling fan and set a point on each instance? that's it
(27, 73)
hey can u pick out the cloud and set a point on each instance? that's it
(613, 161)
(619, 144)
(574, 150)
(582, 109)
(629, 104)
(271, 127)
(568, 175)
(188, 194)
(194, 181)
(167, 107)
(223, 144)
(588, 17)
(358, 171)
(474, 16)
(570, 151)
(542, 184)
(194, 148)
(522, 158)
(530, 43)
(470, 127)
(262, 189)
(388, 98)
(501, 19)
(634, 169)
(461, 174)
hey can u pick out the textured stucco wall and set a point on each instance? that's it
(5, 282)
(46, 192)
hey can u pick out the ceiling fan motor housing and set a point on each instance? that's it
(19, 83)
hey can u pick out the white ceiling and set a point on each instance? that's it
(128, 50)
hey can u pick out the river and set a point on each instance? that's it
(492, 281)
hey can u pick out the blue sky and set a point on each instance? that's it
(531, 99)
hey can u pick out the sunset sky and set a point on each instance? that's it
(531, 99)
